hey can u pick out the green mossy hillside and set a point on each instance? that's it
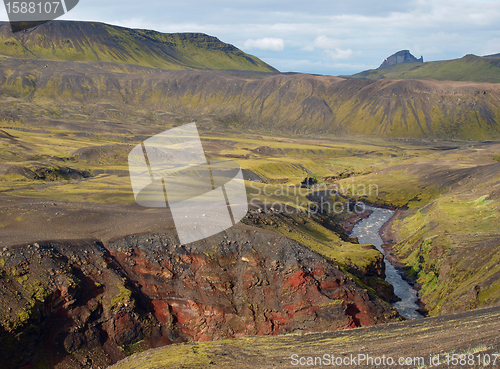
(99, 42)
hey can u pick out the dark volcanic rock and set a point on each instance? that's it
(308, 182)
(85, 298)
(402, 56)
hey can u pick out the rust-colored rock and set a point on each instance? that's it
(151, 290)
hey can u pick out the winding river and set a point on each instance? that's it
(367, 232)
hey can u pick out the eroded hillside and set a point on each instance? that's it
(61, 93)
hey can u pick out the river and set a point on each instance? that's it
(367, 232)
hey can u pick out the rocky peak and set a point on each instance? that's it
(403, 56)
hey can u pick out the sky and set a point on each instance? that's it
(317, 36)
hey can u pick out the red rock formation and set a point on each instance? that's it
(149, 288)
(259, 284)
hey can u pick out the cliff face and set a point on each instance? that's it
(83, 303)
(402, 56)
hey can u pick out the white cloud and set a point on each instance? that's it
(331, 47)
(325, 42)
(322, 42)
(329, 67)
(267, 43)
(338, 53)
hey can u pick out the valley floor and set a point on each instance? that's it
(60, 183)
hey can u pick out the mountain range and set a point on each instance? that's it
(175, 75)
(284, 103)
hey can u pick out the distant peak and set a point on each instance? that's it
(403, 56)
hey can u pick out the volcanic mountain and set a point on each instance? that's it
(403, 56)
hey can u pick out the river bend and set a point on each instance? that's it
(367, 231)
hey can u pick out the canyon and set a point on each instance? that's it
(70, 304)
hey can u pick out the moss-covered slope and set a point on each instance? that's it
(93, 41)
(414, 342)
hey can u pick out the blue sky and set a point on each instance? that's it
(324, 37)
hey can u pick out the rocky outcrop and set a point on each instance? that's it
(402, 56)
(85, 303)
